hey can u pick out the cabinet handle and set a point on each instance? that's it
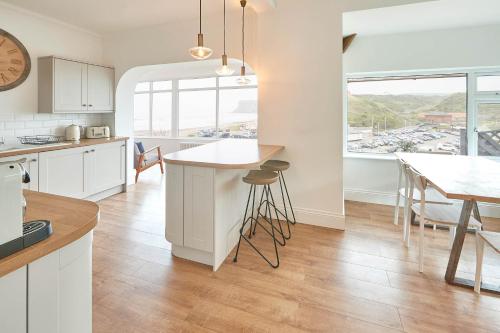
(90, 105)
(86, 152)
(84, 104)
(34, 160)
(93, 150)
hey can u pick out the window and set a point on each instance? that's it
(488, 83)
(418, 114)
(153, 109)
(196, 108)
(488, 129)
(238, 113)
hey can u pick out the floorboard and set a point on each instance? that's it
(360, 280)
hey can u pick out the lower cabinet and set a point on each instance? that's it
(31, 165)
(60, 290)
(62, 172)
(13, 301)
(82, 172)
(52, 294)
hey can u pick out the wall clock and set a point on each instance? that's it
(15, 62)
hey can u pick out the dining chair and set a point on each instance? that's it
(432, 196)
(493, 240)
(436, 214)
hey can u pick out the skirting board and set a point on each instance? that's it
(319, 218)
(107, 193)
(389, 199)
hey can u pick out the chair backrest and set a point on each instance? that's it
(138, 150)
(416, 180)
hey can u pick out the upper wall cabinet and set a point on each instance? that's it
(66, 86)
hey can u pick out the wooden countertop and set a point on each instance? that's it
(70, 218)
(225, 154)
(63, 145)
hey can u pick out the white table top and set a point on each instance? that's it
(459, 177)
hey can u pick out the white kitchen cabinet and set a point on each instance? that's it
(60, 290)
(107, 168)
(70, 86)
(31, 165)
(100, 88)
(84, 171)
(174, 226)
(199, 208)
(67, 86)
(13, 301)
(62, 172)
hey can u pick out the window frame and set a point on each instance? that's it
(175, 103)
(474, 98)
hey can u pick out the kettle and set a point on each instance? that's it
(73, 133)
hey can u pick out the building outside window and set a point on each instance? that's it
(196, 108)
(445, 113)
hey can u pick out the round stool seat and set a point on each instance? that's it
(275, 165)
(261, 177)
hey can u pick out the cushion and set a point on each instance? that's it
(140, 147)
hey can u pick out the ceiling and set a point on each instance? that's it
(433, 15)
(104, 16)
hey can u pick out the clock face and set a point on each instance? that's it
(15, 63)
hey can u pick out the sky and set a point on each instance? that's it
(413, 86)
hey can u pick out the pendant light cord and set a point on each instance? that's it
(200, 17)
(243, 3)
(224, 26)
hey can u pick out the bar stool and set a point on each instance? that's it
(261, 178)
(279, 167)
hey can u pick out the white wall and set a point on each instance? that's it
(42, 37)
(300, 87)
(375, 180)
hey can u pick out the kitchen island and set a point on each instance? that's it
(47, 287)
(205, 197)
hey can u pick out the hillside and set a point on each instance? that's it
(395, 109)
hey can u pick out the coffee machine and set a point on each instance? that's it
(16, 235)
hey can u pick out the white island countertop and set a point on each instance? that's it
(225, 154)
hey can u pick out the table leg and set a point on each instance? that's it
(458, 243)
(467, 208)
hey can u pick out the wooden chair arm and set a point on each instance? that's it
(151, 149)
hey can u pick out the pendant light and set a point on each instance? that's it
(243, 79)
(224, 69)
(200, 52)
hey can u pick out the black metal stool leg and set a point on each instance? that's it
(288, 196)
(278, 219)
(244, 221)
(253, 211)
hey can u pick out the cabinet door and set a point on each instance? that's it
(70, 86)
(31, 166)
(109, 166)
(13, 302)
(60, 290)
(174, 198)
(101, 81)
(61, 172)
(199, 208)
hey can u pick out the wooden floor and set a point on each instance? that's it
(360, 280)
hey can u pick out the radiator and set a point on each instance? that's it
(188, 145)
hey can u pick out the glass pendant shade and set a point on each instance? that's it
(243, 80)
(224, 69)
(200, 52)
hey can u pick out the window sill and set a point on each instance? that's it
(370, 156)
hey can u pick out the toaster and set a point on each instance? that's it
(97, 132)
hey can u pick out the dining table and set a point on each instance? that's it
(469, 179)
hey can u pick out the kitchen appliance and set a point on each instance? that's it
(14, 234)
(97, 132)
(73, 133)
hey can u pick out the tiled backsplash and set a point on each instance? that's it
(15, 125)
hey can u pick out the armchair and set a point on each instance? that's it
(145, 159)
